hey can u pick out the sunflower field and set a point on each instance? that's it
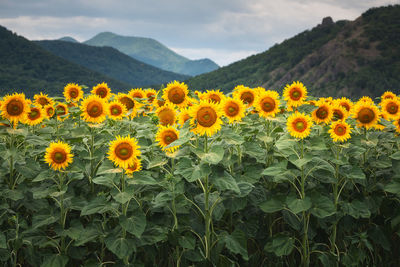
(186, 178)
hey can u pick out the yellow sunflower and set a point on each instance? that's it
(183, 116)
(34, 117)
(388, 95)
(246, 94)
(323, 114)
(102, 90)
(206, 117)
(43, 100)
(94, 109)
(49, 111)
(58, 155)
(365, 99)
(123, 151)
(390, 108)
(233, 109)
(345, 102)
(176, 93)
(137, 93)
(134, 167)
(116, 110)
(165, 136)
(213, 95)
(340, 131)
(366, 114)
(73, 92)
(299, 125)
(166, 114)
(397, 124)
(150, 94)
(130, 104)
(267, 103)
(339, 112)
(295, 94)
(14, 107)
(61, 111)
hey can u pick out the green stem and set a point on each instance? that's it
(63, 211)
(207, 214)
(306, 217)
(91, 160)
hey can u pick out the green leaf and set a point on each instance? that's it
(106, 180)
(224, 181)
(123, 197)
(97, 205)
(143, 178)
(396, 155)
(135, 224)
(274, 171)
(157, 161)
(82, 235)
(393, 187)
(214, 155)
(322, 206)
(281, 245)
(272, 205)
(237, 243)
(302, 161)
(43, 220)
(3, 241)
(187, 241)
(43, 176)
(121, 247)
(354, 172)
(55, 261)
(299, 205)
(356, 209)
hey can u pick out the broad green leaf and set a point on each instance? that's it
(272, 205)
(106, 180)
(302, 161)
(395, 155)
(153, 235)
(322, 206)
(97, 205)
(134, 224)
(3, 241)
(143, 178)
(224, 181)
(281, 245)
(187, 241)
(354, 172)
(55, 261)
(393, 187)
(356, 209)
(274, 171)
(156, 162)
(299, 205)
(214, 155)
(237, 243)
(43, 175)
(121, 247)
(43, 220)
(123, 197)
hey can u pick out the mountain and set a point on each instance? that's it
(154, 53)
(346, 58)
(68, 39)
(111, 62)
(26, 67)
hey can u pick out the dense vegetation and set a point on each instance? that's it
(154, 53)
(111, 62)
(366, 71)
(26, 67)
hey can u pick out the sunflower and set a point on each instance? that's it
(102, 90)
(397, 124)
(299, 125)
(378, 127)
(134, 167)
(49, 111)
(165, 136)
(130, 104)
(339, 112)
(267, 103)
(345, 102)
(58, 155)
(340, 131)
(183, 116)
(390, 108)
(137, 93)
(206, 116)
(260, 90)
(166, 114)
(150, 94)
(246, 94)
(365, 99)
(323, 114)
(176, 93)
(94, 109)
(73, 92)
(123, 151)
(233, 109)
(213, 95)
(388, 95)
(295, 94)
(35, 116)
(366, 114)
(61, 111)
(116, 110)
(14, 107)
(43, 100)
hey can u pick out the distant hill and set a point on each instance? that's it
(346, 58)
(154, 53)
(68, 39)
(26, 67)
(111, 62)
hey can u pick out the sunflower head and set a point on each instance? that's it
(165, 136)
(35, 116)
(58, 155)
(134, 167)
(246, 94)
(299, 125)
(127, 101)
(366, 114)
(340, 131)
(396, 123)
(267, 103)
(61, 110)
(233, 109)
(94, 109)
(345, 103)
(73, 92)
(14, 107)
(166, 114)
(295, 94)
(339, 112)
(137, 93)
(150, 94)
(183, 116)
(323, 113)
(123, 151)
(102, 90)
(365, 99)
(213, 95)
(43, 100)
(116, 110)
(49, 111)
(176, 93)
(390, 108)
(388, 95)
(206, 118)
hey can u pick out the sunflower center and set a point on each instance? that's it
(150, 97)
(247, 97)
(34, 114)
(73, 93)
(127, 102)
(340, 130)
(215, 98)
(295, 94)
(50, 112)
(299, 125)
(392, 108)
(15, 107)
(102, 92)
(338, 114)
(366, 115)
(116, 110)
(166, 117)
(268, 104)
(61, 110)
(42, 101)
(233, 109)
(59, 157)
(176, 95)
(322, 113)
(345, 105)
(123, 151)
(94, 109)
(170, 137)
(206, 116)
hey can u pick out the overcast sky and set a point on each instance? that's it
(222, 30)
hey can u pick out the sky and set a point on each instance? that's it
(223, 30)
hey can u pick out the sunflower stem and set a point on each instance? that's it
(306, 216)
(11, 177)
(335, 201)
(91, 160)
